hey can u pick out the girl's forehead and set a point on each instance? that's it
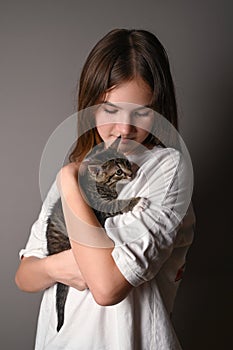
(135, 91)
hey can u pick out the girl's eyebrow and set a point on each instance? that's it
(111, 104)
(116, 106)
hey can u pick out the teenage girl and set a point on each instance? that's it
(123, 278)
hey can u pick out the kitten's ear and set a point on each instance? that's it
(83, 167)
(95, 150)
(115, 143)
(134, 168)
(94, 169)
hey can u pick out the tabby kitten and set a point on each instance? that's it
(101, 171)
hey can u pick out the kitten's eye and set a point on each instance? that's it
(119, 172)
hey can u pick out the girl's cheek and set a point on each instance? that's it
(104, 132)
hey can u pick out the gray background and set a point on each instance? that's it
(43, 45)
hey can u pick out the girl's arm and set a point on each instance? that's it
(105, 281)
(35, 274)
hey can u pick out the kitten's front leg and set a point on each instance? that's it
(137, 204)
(141, 205)
(120, 206)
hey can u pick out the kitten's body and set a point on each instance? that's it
(100, 175)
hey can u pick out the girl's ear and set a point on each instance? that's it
(115, 143)
(94, 169)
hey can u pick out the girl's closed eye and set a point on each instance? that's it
(144, 113)
(110, 111)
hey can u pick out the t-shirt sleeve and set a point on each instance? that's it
(37, 243)
(145, 239)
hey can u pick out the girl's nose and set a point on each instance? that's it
(124, 127)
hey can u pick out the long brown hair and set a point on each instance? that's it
(120, 56)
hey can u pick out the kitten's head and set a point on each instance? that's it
(111, 171)
(108, 165)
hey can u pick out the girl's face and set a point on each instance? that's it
(125, 112)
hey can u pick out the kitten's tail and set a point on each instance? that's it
(62, 291)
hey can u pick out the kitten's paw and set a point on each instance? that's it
(142, 204)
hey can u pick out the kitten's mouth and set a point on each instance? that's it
(120, 184)
(124, 181)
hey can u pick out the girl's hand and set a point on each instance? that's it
(63, 268)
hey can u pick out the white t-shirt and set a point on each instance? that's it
(150, 250)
